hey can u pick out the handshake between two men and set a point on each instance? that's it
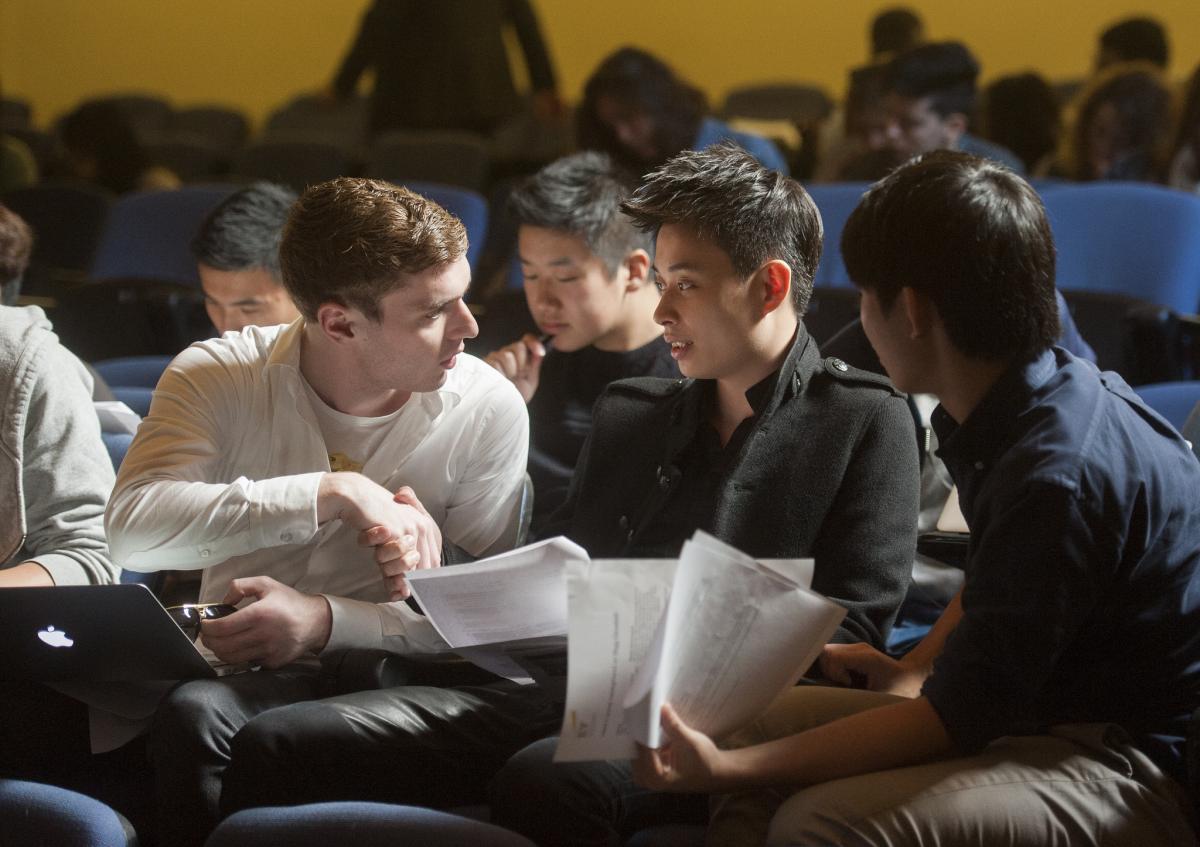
(283, 623)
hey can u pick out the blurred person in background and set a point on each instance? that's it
(931, 103)
(1136, 39)
(102, 149)
(1122, 129)
(1184, 170)
(636, 109)
(444, 65)
(1021, 113)
(894, 31)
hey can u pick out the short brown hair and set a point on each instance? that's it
(351, 241)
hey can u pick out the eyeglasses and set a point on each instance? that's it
(189, 616)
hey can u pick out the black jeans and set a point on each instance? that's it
(582, 803)
(276, 738)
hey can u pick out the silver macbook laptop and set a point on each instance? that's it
(93, 632)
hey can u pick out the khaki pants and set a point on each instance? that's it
(1080, 784)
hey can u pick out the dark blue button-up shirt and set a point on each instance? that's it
(1082, 599)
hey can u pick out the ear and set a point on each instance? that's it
(337, 322)
(777, 285)
(919, 312)
(637, 267)
(954, 125)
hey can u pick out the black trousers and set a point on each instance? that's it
(279, 738)
(582, 804)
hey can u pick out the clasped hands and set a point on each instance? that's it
(691, 762)
(282, 623)
(410, 540)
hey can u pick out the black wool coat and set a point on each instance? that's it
(829, 471)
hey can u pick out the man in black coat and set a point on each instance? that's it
(765, 444)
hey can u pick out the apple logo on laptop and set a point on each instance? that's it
(55, 637)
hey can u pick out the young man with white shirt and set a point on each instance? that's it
(308, 467)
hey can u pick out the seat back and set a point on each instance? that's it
(295, 162)
(450, 158)
(1128, 238)
(67, 222)
(149, 234)
(132, 371)
(1173, 400)
(192, 158)
(343, 123)
(148, 114)
(468, 206)
(372, 825)
(835, 201)
(55, 817)
(799, 103)
(222, 128)
(130, 318)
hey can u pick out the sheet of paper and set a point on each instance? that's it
(513, 596)
(115, 416)
(615, 609)
(730, 635)
(738, 633)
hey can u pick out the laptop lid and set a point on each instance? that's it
(93, 632)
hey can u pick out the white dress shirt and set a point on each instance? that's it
(223, 475)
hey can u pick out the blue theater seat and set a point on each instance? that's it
(47, 816)
(360, 824)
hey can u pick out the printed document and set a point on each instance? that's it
(717, 634)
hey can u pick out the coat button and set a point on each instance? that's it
(838, 365)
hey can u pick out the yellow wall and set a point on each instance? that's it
(254, 54)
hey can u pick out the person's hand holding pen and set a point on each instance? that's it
(521, 362)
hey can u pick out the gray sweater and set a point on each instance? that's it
(55, 474)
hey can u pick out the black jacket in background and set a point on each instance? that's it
(830, 470)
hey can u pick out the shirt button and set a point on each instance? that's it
(979, 466)
(205, 553)
(839, 365)
(285, 537)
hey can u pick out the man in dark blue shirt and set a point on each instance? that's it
(1050, 702)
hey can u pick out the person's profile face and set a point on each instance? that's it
(914, 127)
(420, 332)
(705, 307)
(631, 126)
(250, 297)
(571, 296)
